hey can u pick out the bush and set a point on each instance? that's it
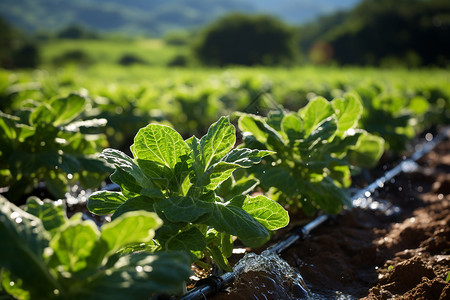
(246, 40)
(73, 56)
(128, 59)
(179, 60)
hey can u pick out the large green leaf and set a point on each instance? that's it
(217, 142)
(105, 202)
(217, 174)
(126, 164)
(184, 208)
(68, 108)
(232, 219)
(160, 144)
(51, 213)
(133, 204)
(348, 110)
(129, 228)
(128, 184)
(292, 126)
(244, 157)
(231, 187)
(367, 152)
(192, 239)
(139, 276)
(262, 132)
(74, 243)
(24, 239)
(315, 112)
(324, 132)
(267, 212)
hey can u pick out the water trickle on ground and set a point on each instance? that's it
(267, 276)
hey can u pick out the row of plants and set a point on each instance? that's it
(181, 202)
(182, 199)
(191, 100)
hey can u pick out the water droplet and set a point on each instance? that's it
(56, 291)
(400, 188)
(14, 215)
(367, 194)
(11, 283)
(441, 196)
(139, 268)
(429, 137)
(18, 220)
(69, 176)
(420, 189)
(148, 269)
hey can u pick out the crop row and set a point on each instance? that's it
(182, 199)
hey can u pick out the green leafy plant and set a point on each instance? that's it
(43, 142)
(181, 181)
(315, 149)
(403, 117)
(47, 256)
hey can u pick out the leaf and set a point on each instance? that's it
(51, 213)
(133, 204)
(217, 142)
(348, 110)
(68, 108)
(12, 286)
(105, 202)
(160, 144)
(128, 184)
(22, 257)
(367, 152)
(324, 132)
(183, 208)
(192, 240)
(217, 174)
(244, 157)
(73, 244)
(262, 132)
(233, 220)
(232, 187)
(126, 164)
(292, 126)
(315, 112)
(267, 212)
(130, 228)
(219, 258)
(139, 276)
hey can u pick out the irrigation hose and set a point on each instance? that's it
(212, 285)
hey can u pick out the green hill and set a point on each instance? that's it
(136, 17)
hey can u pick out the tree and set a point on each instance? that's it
(16, 51)
(385, 32)
(238, 39)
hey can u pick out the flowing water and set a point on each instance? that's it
(269, 277)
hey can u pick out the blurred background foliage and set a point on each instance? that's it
(386, 33)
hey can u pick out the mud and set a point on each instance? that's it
(366, 254)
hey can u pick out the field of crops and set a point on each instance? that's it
(202, 160)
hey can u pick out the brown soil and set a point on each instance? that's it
(366, 254)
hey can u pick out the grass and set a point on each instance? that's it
(108, 51)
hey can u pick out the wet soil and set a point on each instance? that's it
(367, 254)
